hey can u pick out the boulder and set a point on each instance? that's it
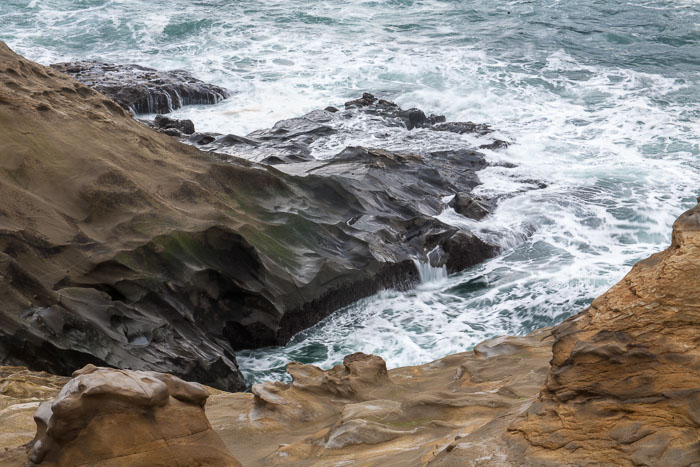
(463, 127)
(473, 207)
(108, 417)
(497, 144)
(163, 124)
(367, 99)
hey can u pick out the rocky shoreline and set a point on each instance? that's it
(124, 248)
(192, 255)
(616, 384)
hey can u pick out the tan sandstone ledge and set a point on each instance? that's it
(623, 388)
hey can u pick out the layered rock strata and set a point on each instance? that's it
(624, 383)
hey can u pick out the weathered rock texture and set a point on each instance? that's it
(120, 246)
(361, 414)
(21, 393)
(622, 389)
(107, 417)
(144, 90)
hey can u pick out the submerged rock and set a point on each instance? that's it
(144, 90)
(473, 207)
(113, 417)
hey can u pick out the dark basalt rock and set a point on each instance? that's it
(144, 90)
(463, 127)
(413, 118)
(290, 140)
(497, 144)
(473, 207)
(286, 142)
(201, 138)
(464, 250)
(364, 101)
(181, 126)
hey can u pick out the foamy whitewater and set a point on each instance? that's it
(602, 102)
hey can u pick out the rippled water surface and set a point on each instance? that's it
(602, 99)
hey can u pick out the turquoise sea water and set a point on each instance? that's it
(602, 99)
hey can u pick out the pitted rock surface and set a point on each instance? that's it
(624, 383)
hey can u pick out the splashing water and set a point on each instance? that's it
(430, 274)
(602, 101)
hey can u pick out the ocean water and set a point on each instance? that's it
(601, 98)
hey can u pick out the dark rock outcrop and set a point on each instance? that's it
(180, 127)
(464, 127)
(107, 417)
(144, 90)
(287, 141)
(615, 385)
(292, 140)
(157, 256)
(473, 207)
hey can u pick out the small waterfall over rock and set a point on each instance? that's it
(430, 273)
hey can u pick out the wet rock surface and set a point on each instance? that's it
(473, 207)
(181, 127)
(108, 417)
(144, 90)
(298, 139)
(157, 256)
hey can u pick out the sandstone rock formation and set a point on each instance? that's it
(121, 247)
(110, 417)
(624, 383)
(361, 414)
(144, 90)
(21, 393)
